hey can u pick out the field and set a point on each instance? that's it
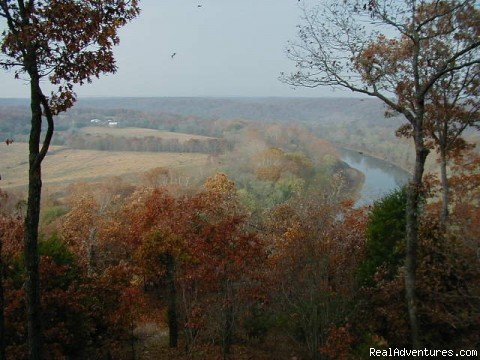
(63, 166)
(139, 133)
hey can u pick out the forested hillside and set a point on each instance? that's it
(356, 123)
(278, 109)
(296, 243)
(353, 123)
(274, 265)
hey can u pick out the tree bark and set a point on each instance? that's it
(36, 156)
(172, 301)
(445, 188)
(91, 254)
(2, 303)
(229, 326)
(412, 221)
(31, 224)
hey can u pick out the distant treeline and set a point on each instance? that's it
(15, 121)
(149, 143)
(357, 124)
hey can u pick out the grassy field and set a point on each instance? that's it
(139, 133)
(63, 166)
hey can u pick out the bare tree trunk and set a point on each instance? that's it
(445, 188)
(91, 255)
(132, 341)
(172, 301)
(2, 304)
(315, 338)
(412, 220)
(191, 333)
(228, 336)
(229, 325)
(31, 225)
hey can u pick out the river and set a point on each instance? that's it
(381, 177)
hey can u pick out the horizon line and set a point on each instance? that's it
(202, 97)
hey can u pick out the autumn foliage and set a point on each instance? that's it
(269, 259)
(313, 276)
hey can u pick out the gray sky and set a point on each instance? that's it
(224, 48)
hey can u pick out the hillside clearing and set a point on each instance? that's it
(132, 132)
(64, 165)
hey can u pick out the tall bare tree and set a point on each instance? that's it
(396, 51)
(67, 42)
(454, 106)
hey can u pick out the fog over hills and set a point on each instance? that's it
(366, 110)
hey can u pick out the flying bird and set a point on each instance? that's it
(173, 55)
(199, 5)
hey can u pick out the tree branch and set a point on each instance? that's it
(401, 28)
(6, 14)
(10, 64)
(48, 136)
(446, 69)
(21, 7)
(439, 15)
(386, 100)
(12, 23)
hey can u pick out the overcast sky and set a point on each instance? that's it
(224, 48)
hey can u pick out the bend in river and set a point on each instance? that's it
(381, 177)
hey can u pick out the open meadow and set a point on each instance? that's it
(63, 165)
(132, 132)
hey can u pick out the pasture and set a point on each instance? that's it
(132, 132)
(64, 166)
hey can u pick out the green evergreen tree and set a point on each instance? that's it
(385, 236)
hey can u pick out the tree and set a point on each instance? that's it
(385, 233)
(41, 42)
(448, 279)
(88, 225)
(225, 258)
(396, 51)
(158, 224)
(83, 317)
(465, 200)
(453, 106)
(9, 227)
(316, 248)
(197, 247)
(2, 297)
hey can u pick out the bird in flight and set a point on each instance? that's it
(199, 5)
(173, 55)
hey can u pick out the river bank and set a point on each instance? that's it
(380, 177)
(372, 155)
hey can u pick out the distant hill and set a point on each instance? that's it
(357, 123)
(267, 109)
(318, 110)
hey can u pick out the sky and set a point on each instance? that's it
(223, 48)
